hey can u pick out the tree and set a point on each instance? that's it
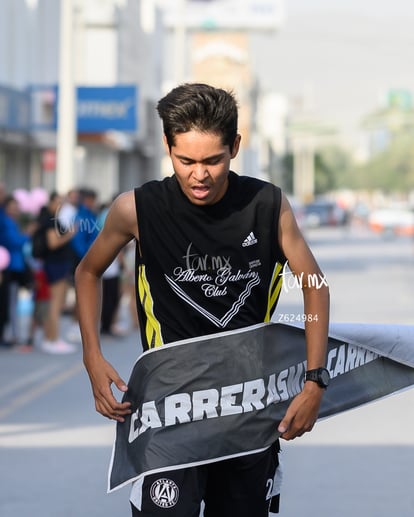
(331, 166)
(392, 170)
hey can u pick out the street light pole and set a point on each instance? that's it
(66, 130)
(179, 43)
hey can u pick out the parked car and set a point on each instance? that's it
(324, 213)
(396, 221)
(298, 210)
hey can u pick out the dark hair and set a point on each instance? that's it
(87, 193)
(8, 200)
(201, 107)
(53, 195)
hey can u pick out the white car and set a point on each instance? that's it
(392, 220)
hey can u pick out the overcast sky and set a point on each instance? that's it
(343, 53)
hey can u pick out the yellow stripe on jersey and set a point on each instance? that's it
(274, 291)
(152, 325)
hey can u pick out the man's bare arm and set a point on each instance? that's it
(303, 411)
(120, 227)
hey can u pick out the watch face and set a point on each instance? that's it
(324, 376)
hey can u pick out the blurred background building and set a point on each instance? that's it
(79, 82)
(81, 110)
(112, 67)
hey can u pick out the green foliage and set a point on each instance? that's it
(391, 170)
(287, 174)
(331, 163)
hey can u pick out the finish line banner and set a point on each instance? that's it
(220, 396)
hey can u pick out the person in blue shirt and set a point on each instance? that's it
(14, 239)
(4, 277)
(87, 226)
(86, 221)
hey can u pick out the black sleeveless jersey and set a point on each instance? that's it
(206, 269)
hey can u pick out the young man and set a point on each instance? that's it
(204, 236)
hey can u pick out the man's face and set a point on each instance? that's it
(201, 164)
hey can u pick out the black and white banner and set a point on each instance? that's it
(221, 396)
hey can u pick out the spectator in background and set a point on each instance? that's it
(3, 195)
(111, 296)
(19, 274)
(4, 306)
(57, 266)
(41, 300)
(86, 221)
(69, 209)
(128, 283)
(4, 277)
(67, 216)
(111, 288)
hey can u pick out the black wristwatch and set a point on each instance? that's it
(319, 375)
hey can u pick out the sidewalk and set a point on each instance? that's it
(69, 328)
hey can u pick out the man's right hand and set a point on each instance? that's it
(102, 375)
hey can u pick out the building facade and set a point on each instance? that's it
(116, 60)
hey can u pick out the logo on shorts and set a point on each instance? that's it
(164, 493)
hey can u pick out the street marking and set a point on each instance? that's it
(27, 380)
(51, 435)
(38, 391)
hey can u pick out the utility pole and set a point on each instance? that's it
(179, 44)
(66, 130)
(304, 169)
(306, 136)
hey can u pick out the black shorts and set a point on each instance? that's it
(239, 487)
(56, 271)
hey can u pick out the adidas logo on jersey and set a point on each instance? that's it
(249, 240)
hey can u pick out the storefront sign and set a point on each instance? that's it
(14, 110)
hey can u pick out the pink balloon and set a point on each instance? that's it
(38, 198)
(30, 207)
(22, 197)
(4, 258)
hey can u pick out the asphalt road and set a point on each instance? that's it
(358, 463)
(55, 450)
